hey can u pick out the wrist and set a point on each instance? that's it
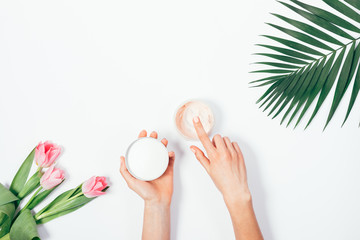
(240, 196)
(157, 204)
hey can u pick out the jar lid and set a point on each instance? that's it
(147, 158)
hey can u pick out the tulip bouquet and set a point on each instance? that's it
(21, 224)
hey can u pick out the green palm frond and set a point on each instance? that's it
(323, 54)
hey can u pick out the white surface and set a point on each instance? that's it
(147, 159)
(90, 75)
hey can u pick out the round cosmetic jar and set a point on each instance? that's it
(147, 158)
(185, 114)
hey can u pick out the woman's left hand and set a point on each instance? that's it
(158, 191)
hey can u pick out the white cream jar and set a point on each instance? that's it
(147, 158)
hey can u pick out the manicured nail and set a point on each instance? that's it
(196, 119)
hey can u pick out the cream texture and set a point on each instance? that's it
(186, 113)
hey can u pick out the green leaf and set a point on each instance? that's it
(289, 83)
(272, 71)
(302, 37)
(270, 78)
(58, 199)
(319, 21)
(24, 227)
(270, 89)
(306, 94)
(289, 92)
(328, 16)
(283, 58)
(6, 196)
(7, 209)
(265, 83)
(311, 66)
(297, 46)
(22, 174)
(281, 84)
(7, 212)
(32, 184)
(328, 84)
(310, 30)
(279, 65)
(354, 3)
(6, 237)
(40, 197)
(296, 94)
(343, 83)
(341, 7)
(288, 52)
(65, 208)
(48, 219)
(318, 86)
(356, 86)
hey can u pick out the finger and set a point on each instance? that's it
(142, 134)
(125, 173)
(213, 142)
(153, 134)
(164, 141)
(219, 142)
(229, 146)
(171, 159)
(170, 168)
(203, 137)
(237, 149)
(205, 162)
(241, 159)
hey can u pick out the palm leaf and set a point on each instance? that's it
(321, 52)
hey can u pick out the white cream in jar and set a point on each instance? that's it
(147, 158)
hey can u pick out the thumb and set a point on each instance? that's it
(205, 162)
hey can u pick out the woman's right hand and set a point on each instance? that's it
(224, 163)
(226, 167)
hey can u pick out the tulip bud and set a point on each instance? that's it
(46, 153)
(51, 178)
(94, 187)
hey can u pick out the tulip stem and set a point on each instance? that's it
(32, 198)
(41, 214)
(77, 195)
(28, 203)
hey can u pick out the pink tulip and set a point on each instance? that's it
(46, 153)
(51, 178)
(94, 186)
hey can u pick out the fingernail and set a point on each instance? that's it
(193, 150)
(196, 119)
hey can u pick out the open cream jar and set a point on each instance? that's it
(147, 158)
(185, 114)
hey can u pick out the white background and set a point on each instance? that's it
(89, 75)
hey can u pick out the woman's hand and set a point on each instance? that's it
(224, 163)
(157, 196)
(158, 191)
(226, 167)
